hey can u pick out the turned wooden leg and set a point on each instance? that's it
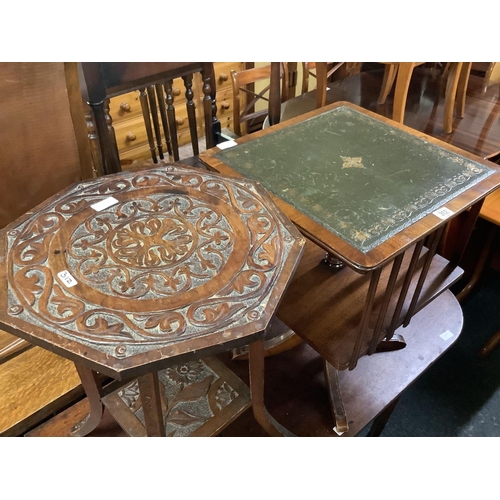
(212, 125)
(146, 115)
(107, 144)
(149, 388)
(172, 124)
(93, 390)
(191, 113)
(335, 396)
(256, 366)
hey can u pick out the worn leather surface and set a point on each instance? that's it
(362, 179)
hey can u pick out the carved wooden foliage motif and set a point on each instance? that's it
(178, 253)
(191, 394)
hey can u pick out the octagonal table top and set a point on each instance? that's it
(127, 271)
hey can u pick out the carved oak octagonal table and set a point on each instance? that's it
(134, 272)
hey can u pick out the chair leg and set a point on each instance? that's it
(390, 72)
(463, 80)
(321, 83)
(405, 71)
(451, 95)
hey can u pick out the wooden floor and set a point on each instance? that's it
(478, 132)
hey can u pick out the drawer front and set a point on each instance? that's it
(224, 104)
(131, 134)
(224, 109)
(139, 153)
(128, 106)
(184, 137)
(142, 152)
(125, 107)
(222, 72)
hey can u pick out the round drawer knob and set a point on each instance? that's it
(176, 91)
(224, 105)
(130, 137)
(179, 121)
(223, 77)
(125, 106)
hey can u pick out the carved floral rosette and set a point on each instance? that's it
(182, 253)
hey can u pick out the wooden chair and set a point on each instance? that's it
(456, 74)
(44, 148)
(154, 82)
(308, 71)
(322, 75)
(245, 97)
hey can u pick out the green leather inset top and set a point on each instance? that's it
(362, 179)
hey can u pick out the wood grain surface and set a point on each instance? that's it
(34, 384)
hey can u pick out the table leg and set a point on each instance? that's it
(380, 421)
(149, 388)
(335, 396)
(93, 390)
(256, 366)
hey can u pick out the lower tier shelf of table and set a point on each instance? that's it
(324, 306)
(198, 398)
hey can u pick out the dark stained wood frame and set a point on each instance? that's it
(105, 80)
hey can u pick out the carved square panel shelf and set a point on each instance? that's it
(199, 398)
